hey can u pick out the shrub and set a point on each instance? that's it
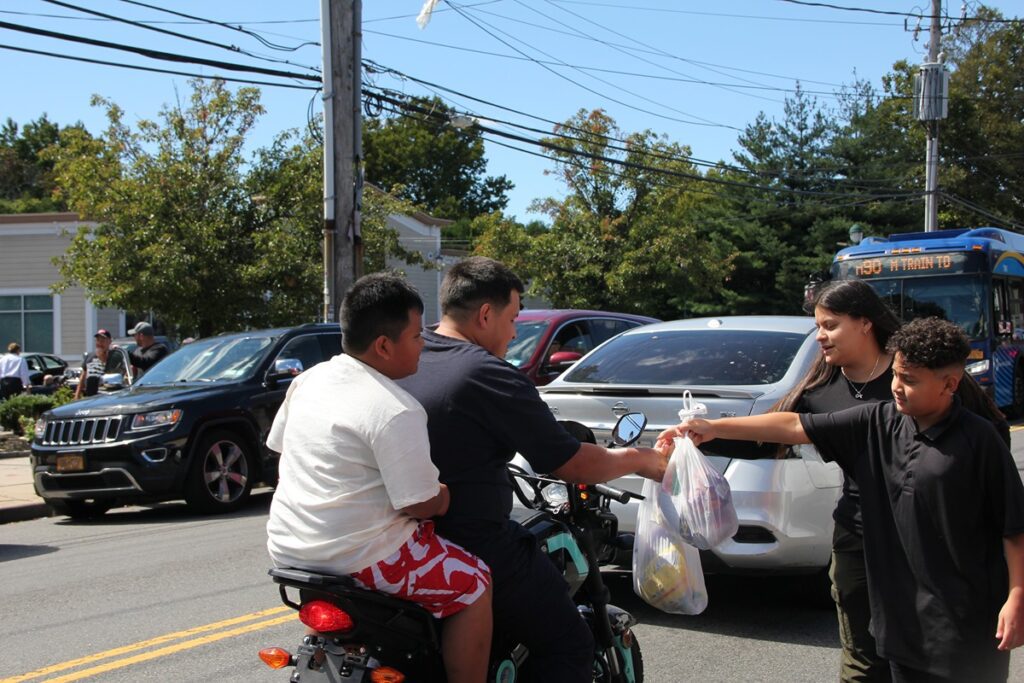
(19, 413)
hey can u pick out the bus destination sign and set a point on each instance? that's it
(901, 265)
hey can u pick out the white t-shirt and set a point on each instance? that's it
(354, 449)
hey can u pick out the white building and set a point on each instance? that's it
(30, 314)
(64, 323)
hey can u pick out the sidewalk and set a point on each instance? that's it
(18, 500)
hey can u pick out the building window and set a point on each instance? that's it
(28, 320)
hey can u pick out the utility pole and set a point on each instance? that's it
(931, 104)
(341, 38)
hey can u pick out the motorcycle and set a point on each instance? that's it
(362, 636)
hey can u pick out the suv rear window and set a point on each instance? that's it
(709, 357)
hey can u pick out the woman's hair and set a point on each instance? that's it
(979, 402)
(853, 298)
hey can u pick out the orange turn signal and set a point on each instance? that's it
(275, 657)
(386, 674)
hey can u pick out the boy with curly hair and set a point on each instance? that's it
(943, 510)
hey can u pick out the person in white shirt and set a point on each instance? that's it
(356, 476)
(14, 377)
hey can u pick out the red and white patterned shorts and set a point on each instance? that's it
(436, 574)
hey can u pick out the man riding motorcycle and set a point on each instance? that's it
(481, 411)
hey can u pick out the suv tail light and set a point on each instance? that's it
(325, 617)
(386, 674)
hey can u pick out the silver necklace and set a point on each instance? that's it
(859, 393)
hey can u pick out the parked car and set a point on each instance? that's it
(548, 342)
(193, 427)
(735, 366)
(43, 365)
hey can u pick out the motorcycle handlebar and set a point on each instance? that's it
(614, 493)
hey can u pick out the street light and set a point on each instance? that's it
(856, 233)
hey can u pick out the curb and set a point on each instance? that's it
(14, 454)
(23, 513)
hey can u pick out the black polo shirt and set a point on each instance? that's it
(481, 411)
(936, 506)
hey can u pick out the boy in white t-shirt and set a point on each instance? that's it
(356, 476)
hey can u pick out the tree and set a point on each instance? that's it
(623, 238)
(26, 177)
(423, 159)
(187, 229)
(175, 219)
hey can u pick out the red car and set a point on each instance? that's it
(548, 342)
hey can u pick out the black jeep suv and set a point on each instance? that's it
(193, 427)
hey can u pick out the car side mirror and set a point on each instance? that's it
(285, 368)
(628, 429)
(562, 360)
(112, 381)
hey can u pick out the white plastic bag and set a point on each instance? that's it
(702, 497)
(666, 572)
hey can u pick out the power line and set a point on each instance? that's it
(158, 54)
(981, 211)
(892, 13)
(699, 122)
(236, 27)
(155, 70)
(635, 8)
(660, 51)
(406, 106)
(176, 34)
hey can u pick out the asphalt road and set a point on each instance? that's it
(156, 594)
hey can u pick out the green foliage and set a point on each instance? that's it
(621, 239)
(188, 230)
(26, 175)
(426, 161)
(19, 413)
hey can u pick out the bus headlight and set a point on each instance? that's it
(980, 367)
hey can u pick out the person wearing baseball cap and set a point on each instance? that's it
(100, 362)
(149, 351)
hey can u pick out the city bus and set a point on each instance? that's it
(974, 278)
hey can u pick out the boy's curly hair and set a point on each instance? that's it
(930, 343)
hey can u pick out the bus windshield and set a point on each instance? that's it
(958, 298)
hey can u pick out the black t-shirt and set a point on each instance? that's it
(838, 394)
(146, 358)
(481, 411)
(936, 506)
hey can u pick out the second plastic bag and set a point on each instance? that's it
(701, 495)
(666, 571)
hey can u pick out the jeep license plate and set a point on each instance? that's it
(71, 462)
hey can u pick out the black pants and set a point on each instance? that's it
(531, 601)
(984, 669)
(10, 386)
(860, 661)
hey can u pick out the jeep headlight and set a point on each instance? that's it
(40, 427)
(981, 367)
(157, 418)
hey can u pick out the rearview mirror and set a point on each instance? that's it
(112, 381)
(628, 429)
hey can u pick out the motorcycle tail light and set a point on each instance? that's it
(325, 617)
(386, 674)
(275, 657)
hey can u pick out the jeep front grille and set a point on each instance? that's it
(88, 430)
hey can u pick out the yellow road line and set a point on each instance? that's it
(170, 649)
(116, 652)
(1016, 428)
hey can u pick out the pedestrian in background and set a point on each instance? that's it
(149, 351)
(14, 377)
(99, 362)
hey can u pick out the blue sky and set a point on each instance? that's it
(742, 50)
